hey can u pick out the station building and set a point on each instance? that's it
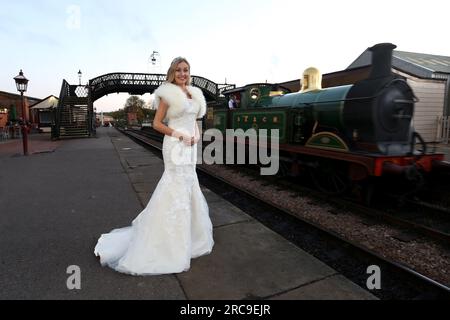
(11, 106)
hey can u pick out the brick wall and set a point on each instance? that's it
(9, 99)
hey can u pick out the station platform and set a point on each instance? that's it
(57, 202)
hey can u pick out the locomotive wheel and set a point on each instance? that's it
(330, 178)
(365, 192)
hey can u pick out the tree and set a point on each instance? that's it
(118, 115)
(136, 105)
(133, 104)
(149, 115)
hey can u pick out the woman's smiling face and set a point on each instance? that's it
(182, 74)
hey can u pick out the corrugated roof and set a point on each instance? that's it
(428, 61)
(418, 64)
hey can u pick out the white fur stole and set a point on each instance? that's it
(177, 99)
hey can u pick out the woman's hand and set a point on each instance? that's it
(195, 139)
(159, 126)
(186, 139)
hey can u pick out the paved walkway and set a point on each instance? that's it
(54, 206)
(37, 143)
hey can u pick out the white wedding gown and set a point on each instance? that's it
(175, 225)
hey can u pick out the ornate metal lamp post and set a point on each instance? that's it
(153, 57)
(155, 63)
(22, 83)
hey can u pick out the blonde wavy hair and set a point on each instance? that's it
(173, 67)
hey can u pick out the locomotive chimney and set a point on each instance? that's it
(381, 60)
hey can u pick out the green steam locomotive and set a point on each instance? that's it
(343, 134)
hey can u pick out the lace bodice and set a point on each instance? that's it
(186, 121)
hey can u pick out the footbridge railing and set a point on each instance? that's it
(141, 83)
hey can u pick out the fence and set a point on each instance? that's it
(443, 129)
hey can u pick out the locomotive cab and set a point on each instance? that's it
(254, 109)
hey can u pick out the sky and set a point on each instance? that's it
(242, 41)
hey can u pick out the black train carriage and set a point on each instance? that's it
(343, 134)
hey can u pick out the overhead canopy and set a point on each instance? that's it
(47, 103)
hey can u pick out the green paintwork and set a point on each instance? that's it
(220, 119)
(326, 105)
(261, 119)
(263, 99)
(297, 113)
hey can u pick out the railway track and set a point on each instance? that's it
(435, 225)
(347, 257)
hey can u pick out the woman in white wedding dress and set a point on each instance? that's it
(175, 225)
